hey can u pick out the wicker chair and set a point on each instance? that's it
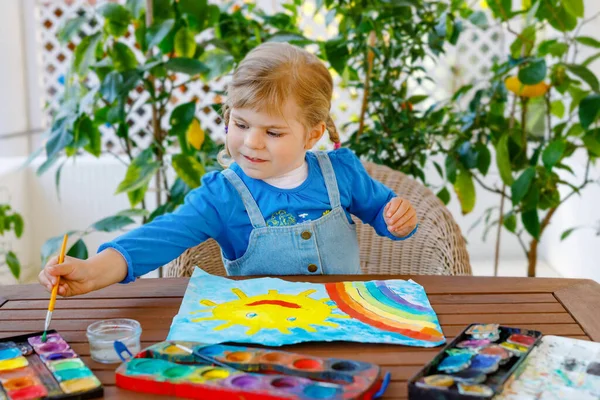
(438, 247)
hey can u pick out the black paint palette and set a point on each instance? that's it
(32, 369)
(477, 364)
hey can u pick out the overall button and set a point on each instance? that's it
(306, 235)
(312, 268)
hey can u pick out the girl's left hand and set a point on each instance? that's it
(400, 217)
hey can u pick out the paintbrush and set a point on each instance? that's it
(61, 259)
(206, 358)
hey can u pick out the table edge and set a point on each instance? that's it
(570, 299)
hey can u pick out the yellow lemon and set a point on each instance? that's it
(195, 134)
(514, 85)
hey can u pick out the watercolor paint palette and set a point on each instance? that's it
(477, 364)
(32, 369)
(558, 368)
(167, 369)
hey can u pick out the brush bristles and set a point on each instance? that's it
(44, 337)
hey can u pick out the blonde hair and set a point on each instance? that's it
(270, 74)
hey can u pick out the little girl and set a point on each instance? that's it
(277, 209)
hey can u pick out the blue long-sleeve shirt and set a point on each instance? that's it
(215, 210)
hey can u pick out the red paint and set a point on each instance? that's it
(307, 363)
(31, 392)
(281, 303)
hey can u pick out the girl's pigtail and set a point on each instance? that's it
(334, 136)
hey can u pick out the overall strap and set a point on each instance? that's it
(254, 213)
(329, 176)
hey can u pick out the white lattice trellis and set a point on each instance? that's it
(469, 61)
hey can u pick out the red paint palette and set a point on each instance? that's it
(168, 369)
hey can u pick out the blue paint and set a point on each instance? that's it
(7, 354)
(321, 391)
(210, 350)
(455, 363)
(485, 363)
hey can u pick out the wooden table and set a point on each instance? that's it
(565, 307)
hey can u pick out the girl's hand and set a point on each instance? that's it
(74, 275)
(82, 276)
(400, 217)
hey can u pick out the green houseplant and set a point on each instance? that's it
(10, 221)
(539, 110)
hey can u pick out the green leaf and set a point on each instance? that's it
(574, 7)
(182, 116)
(451, 168)
(337, 54)
(187, 66)
(111, 86)
(510, 222)
(465, 190)
(197, 11)
(585, 74)
(534, 72)
(185, 43)
(115, 12)
(444, 195)
(78, 250)
(59, 139)
(479, 19)
(85, 53)
(293, 38)
(438, 168)
(501, 8)
(123, 57)
(503, 160)
(590, 59)
(139, 172)
(113, 223)
(158, 31)
(575, 130)
(218, 62)
(484, 158)
(592, 144)
(567, 233)
(553, 153)
(588, 110)
(558, 108)
(524, 43)
(134, 212)
(136, 8)
(588, 41)
(576, 96)
(13, 264)
(136, 196)
(188, 169)
(531, 221)
(87, 129)
(521, 186)
(71, 27)
(557, 16)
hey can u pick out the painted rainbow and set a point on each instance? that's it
(375, 304)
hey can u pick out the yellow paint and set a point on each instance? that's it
(285, 312)
(216, 373)
(197, 376)
(79, 385)
(13, 363)
(514, 85)
(172, 349)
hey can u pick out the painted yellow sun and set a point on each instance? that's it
(273, 310)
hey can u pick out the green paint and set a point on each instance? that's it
(145, 366)
(69, 374)
(177, 372)
(68, 364)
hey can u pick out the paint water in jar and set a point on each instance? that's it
(113, 340)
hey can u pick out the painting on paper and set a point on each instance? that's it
(275, 312)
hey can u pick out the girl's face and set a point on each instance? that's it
(268, 145)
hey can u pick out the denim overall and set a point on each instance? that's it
(327, 245)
